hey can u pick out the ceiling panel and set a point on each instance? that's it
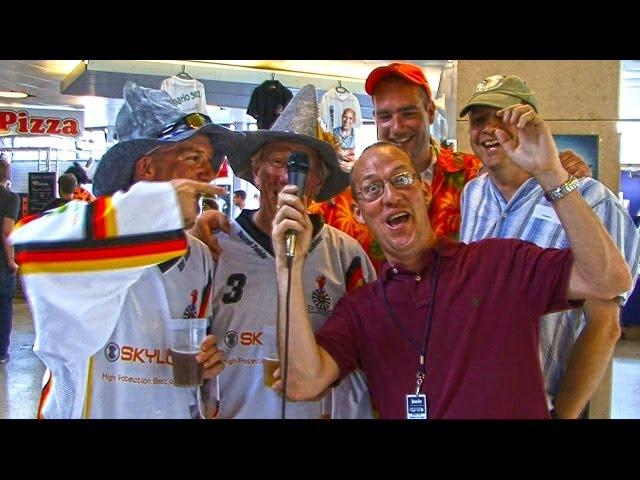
(227, 83)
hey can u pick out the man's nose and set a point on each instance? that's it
(397, 123)
(492, 125)
(206, 173)
(284, 177)
(390, 194)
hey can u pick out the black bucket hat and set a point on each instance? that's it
(148, 120)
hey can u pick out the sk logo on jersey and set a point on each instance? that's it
(112, 352)
(191, 311)
(320, 297)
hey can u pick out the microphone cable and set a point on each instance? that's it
(287, 321)
(297, 170)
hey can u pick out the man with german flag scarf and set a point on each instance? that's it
(101, 277)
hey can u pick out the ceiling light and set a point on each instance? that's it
(12, 94)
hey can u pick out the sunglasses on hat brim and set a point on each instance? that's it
(188, 122)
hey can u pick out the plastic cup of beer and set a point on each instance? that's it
(270, 357)
(184, 337)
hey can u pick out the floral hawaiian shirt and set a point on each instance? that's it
(81, 193)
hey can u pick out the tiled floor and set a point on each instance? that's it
(626, 378)
(20, 379)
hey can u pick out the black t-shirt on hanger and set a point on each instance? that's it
(267, 102)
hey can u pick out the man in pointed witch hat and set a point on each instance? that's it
(101, 278)
(245, 291)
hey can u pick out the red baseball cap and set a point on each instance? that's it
(408, 71)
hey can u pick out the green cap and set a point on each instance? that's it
(501, 91)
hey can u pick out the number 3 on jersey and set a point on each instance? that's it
(236, 281)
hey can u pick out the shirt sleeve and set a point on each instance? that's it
(619, 224)
(337, 337)
(78, 263)
(544, 274)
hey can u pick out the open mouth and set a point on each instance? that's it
(401, 141)
(490, 144)
(397, 219)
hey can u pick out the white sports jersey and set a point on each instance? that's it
(245, 304)
(188, 94)
(99, 298)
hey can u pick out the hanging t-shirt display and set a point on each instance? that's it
(267, 102)
(333, 104)
(445, 100)
(187, 92)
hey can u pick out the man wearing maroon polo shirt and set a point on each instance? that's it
(449, 330)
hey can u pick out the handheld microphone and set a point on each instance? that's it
(297, 170)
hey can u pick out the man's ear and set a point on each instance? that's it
(426, 189)
(357, 214)
(255, 168)
(431, 110)
(144, 169)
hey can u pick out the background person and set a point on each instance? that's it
(82, 176)
(507, 202)
(67, 184)
(9, 209)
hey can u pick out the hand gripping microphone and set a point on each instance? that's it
(297, 170)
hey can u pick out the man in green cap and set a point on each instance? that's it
(507, 202)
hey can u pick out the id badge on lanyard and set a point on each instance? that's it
(417, 407)
(417, 402)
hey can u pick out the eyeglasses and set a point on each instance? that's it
(184, 124)
(372, 191)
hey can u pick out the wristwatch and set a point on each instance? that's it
(559, 192)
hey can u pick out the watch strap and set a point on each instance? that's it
(557, 193)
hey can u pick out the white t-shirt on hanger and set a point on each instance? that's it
(334, 103)
(188, 94)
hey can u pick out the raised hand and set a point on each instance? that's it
(205, 227)
(189, 191)
(533, 148)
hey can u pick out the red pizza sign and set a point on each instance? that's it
(40, 122)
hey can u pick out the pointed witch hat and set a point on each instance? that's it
(297, 123)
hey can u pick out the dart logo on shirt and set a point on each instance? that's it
(320, 297)
(192, 311)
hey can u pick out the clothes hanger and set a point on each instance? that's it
(340, 88)
(271, 83)
(183, 74)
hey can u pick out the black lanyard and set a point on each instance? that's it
(422, 350)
